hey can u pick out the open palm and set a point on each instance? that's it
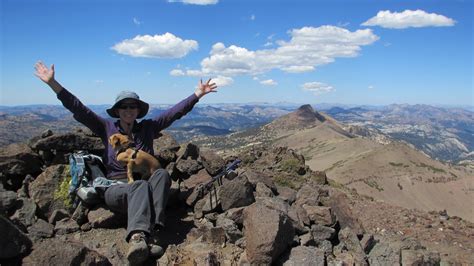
(43, 72)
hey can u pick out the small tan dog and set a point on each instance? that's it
(137, 161)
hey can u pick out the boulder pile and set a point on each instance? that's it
(271, 210)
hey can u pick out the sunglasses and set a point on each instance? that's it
(128, 106)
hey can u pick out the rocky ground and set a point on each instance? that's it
(272, 210)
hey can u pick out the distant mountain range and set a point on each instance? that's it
(360, 158)
(442, 133)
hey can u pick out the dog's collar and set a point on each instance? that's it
(134, 155)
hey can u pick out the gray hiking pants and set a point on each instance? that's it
(143, 201)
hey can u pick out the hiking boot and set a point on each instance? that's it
(138, 249)
(155, 250)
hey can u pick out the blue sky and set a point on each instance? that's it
(349, 52)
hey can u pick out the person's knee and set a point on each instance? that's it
(162, 175)
(138, 185)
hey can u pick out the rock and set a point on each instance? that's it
(367, 243)
(212, 162)
(308, 195)
(261, 190)
(188, 166)
(80, 214)
(60, 252)
(305, 256)
(165, 156)
(236, 215)
(190, 193)
(13, 242)
(319, 215)
(349, 243)
(326, 246)
(207, 204)
(58, 215)
(70, 142)
(232, 232)
(165, 141)
(419, 257)
(255, 177)
(8, 201)
(41, 229)
(321, 233)
(287, 194)
(16, 162)
(24, 191)
(307, 240)
(26, 212)
(174, 173)
(188, 151)
(268, 232)
(66, 226)
(236, 193)
(103, 218)
(47, 191)
(384, 254)
(340, 206)
(214, 235)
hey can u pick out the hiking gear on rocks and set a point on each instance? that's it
(143, 106)
(138, 249)
(84, 169)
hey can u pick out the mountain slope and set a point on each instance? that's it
(385, 170)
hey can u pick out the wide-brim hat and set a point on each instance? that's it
(143, 106)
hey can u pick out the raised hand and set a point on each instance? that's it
(205, 88)
(44, 73)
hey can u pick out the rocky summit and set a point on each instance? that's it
(273, 210)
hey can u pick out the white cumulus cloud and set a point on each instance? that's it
(269, 82)
(158, 46)
(307, 49)
(317, 88)
(408, 18)
(177, 72)
(222, 81)
(196, 2)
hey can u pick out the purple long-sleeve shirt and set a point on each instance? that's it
(143, 132)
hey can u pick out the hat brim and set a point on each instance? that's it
(143, 106)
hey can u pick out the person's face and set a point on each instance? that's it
(128, 111)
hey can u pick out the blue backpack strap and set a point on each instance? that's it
(76, 169)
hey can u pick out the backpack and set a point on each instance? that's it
(84, 169)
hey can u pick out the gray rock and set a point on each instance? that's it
(419, 257)
(59, 252)
(255, 177)
(212, 162)
(268, 232)
(367, 243)
(287, 194)
(232, 232)
(44, 187)
(26, 214)
(58, 215)
(207, 204)
(319, 214)
(13, 242)
(236, 215)
(41, 229)
(188, 166)
(340, 206)
(17, 161)
(66, 226)
(261, 190)
(8, 201)
(384, 254)
(236, 193)
(103, 218)
(70, 142)
(305, 256)
(349, 243)
(321, 233)
(188, 151)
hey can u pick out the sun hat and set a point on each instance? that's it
(143, 106)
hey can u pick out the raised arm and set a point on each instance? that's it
(81, 113)
(166, 118)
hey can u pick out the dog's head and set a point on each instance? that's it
(119, 141)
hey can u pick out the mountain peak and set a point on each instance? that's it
(308, 114)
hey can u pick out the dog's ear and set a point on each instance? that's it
(114, 140)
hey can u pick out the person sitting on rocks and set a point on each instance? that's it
(143, 201)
